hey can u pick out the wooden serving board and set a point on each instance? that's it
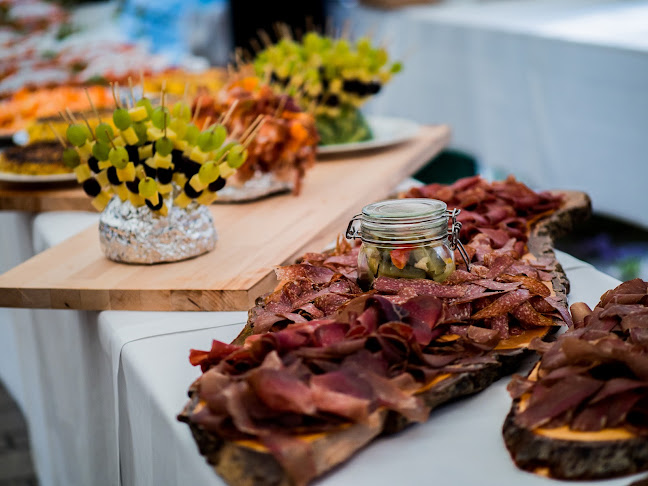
(253, 238)
(37, 198)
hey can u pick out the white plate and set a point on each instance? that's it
(30, 179)
(386, 131)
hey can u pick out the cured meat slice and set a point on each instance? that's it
(503, 304)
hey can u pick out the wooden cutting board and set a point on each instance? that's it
(253, 238)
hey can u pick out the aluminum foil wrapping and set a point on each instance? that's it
(138, 235)
(260, 185)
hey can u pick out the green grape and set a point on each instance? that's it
(181, 110)
(397, 67)
(104, 133)
(160, 118)
(179, 127)
(219, 134)
(312, 42)
(381, 57)
(191, 134)
(146, 103)
(208, 172)
(363, 45)
(147, 187)
(140, 131)
(71, 158)
(223, 150)
(76, 134)
(121, 118)
(205, 141)
(101, 150)
(236, 156)
(118, 157)
(163, 146)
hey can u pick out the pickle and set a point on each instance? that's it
(373, 258)
(389, 270)
(437, 265)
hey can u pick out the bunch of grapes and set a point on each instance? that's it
(156, 157)
(325, 74)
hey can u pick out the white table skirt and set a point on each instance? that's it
(461, 444)
(552, 91)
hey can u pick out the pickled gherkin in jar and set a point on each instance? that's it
(406, 238)
(434, 262)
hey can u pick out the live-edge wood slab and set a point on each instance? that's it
(253, 238)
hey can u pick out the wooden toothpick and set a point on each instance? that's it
(251, 127)
(117, 103)
(254, 133)
(92, 105)
(56, 134)
(197, 112)
(265, 38)
(70, 115)
(88, 125)
(229, 112)
(132, 91)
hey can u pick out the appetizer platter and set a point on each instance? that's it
(38, 162)
(284, 148)
(77, 275)
(324, 366)
(330, 77)
(582, 413)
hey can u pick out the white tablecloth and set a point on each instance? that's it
(552, 91)
(460, 445)
(101, 390)
(50, 361)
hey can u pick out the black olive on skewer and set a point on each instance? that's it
(91, 187)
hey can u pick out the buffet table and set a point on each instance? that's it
(152, 374)
(113, 382)
(546, 90)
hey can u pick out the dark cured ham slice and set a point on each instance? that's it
(503, 304)
(556, 400)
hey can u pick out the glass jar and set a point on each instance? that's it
(406, 238)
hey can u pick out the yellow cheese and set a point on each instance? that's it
(145, 151)
(162, 161)
(102, 178)
(82, 172)
(127, 174)
(522, 340)
(130, 136)
(198, 155)
(207, 198)
(101, 201)
(138, 113)
(225, 170)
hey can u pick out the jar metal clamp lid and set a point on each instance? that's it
(407, 221)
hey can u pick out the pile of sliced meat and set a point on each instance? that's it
(314, 376)
(318, 352)
(502, 292)
(596, 375)
(494, 215)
